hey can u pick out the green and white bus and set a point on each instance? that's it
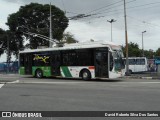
(89, 60)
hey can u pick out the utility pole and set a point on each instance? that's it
(143, 44)
(111, 21)
(126, 38)
(50, 32)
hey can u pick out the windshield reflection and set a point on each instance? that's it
(118, 61)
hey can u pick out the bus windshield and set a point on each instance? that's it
(118, 61)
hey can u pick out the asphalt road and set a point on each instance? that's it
(49, 94)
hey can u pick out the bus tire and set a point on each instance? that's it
(130, 71)
(85, 74)
(39, 73)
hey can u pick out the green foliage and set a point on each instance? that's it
(157, 52)
(34, 18)
(2, 41)
(69, 38)
(9, 39)
(149, 54)
(134, 51)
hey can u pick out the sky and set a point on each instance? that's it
(142, 15)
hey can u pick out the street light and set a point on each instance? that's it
(111, 21)
(143, 44)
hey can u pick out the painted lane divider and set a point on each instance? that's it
(17, 81)
(1, 85)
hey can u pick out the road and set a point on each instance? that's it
(50, 94)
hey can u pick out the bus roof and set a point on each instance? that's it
(81, 45)
(136, 58)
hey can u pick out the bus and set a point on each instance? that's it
(78, 60)
(137, 64)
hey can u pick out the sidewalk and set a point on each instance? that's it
(146, 75)
(8, 78)
(9, 74)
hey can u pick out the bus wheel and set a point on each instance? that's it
(86, 75)
(130, 71)
(39, 73)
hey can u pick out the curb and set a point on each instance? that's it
(138, 77)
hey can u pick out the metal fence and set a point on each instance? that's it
(11, 67)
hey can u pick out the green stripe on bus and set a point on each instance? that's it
(66, 72)
(45, 69)
(22, 71)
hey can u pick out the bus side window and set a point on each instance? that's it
(98, 58)
(132, 61)
(21, 60)
(140, 62)
(72, 59)
(84, 58)
(65, 59)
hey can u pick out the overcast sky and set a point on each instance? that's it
(141, 15)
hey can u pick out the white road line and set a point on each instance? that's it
(4, 82)
(17, 81)
(1, 85)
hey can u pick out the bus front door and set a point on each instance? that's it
(101, 63)
(55, 64)
(28, 64)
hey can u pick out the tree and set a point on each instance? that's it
(149, 54)
(8, 44)
(2, 40)
(34, 18)
(158, 52)
(133, 50)
(69, 38)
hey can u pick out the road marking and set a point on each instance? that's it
(7, 82)
(17, 81)
(1, 85)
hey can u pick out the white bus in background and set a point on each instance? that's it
(137, 64)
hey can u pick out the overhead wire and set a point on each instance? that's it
(144, 22)
(127, 8)
(103, 16)
(131, 7)
(88, 14)
(104, 7)
(94, 14)
(117, 5)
